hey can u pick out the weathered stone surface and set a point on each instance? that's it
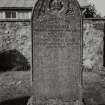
(56, 26)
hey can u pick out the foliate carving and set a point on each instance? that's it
(56, 5)
(40, 8)
(69, 10)
(52, 6)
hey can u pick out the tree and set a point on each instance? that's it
(90, 12)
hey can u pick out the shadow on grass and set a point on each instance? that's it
(13, 60)
(16, 101)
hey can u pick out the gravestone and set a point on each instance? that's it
(56, 34)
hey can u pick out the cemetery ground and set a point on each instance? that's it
(15, 84)
(15, 88)
(94, 88)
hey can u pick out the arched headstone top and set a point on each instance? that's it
(59, 7)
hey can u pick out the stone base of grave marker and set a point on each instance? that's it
(54, 102)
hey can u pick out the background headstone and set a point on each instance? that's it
(56, 31)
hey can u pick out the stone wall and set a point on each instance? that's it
(16, 35)
(93, 44)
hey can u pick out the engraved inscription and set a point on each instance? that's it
(56, 34)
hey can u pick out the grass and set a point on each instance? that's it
(15, 84)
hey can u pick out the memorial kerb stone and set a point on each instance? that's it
(56, 34)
